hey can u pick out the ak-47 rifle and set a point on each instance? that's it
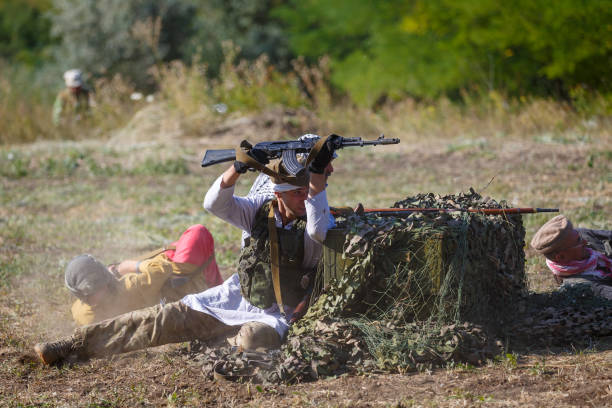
(288, 150)
(398, 212)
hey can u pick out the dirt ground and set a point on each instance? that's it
(160, 378)
(60, 216)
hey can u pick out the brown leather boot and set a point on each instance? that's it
(58, 351)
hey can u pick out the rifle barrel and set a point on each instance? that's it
(370, 142)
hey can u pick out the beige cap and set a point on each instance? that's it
(300, 180)
(552, 236)
(73, 78)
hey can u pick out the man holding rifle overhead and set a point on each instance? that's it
(252, 308)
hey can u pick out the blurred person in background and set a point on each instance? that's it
(74, 100)
(165, 275)
(576, 255)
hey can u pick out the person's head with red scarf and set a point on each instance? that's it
(567, 254)
(559, 242)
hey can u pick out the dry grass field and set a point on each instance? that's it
(142, 186)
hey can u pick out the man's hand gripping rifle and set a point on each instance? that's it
(289, 149)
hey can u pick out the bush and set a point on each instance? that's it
(25, 32)
(123, 37)
(24, 107)
(242, 87)
(427, 48)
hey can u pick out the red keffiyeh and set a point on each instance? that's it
(597, 264)
(195, 246)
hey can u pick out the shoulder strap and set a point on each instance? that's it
(206, 263)
(314, 151)
(242, 156)
(153, 253)
(274, 257)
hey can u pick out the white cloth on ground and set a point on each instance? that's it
(226, 304)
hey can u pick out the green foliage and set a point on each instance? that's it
(14, 238)
(15, 164)
(351, 33)
(379, 50)
(245, 86)
(567, 40)
(255, 86)
(120, 36)
(540, 369)
(461, 394)
(426, 48)
(509, 360)
(168, 166)
(487, 54)
(25, 107)
(248, 24)
(24, 31)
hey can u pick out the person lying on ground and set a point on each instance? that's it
(253, 308)
(165, 275)
(598, 240)
(570, 258)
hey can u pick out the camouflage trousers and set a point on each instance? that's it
(171, 323)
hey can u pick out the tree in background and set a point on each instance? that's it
(378, 49)
(24, 31)
(248, 24)
(428, 47)
(124, 37)
(129, 36)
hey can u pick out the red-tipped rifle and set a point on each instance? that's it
(398, 212)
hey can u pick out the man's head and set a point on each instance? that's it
(264, 186)
(558, 241)
(88, 279)
(73, 78)
(294, 200)
(291, 194)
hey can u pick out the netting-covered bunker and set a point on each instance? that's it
(434, 267)
(421, 288)
(415, 290)
(401, 291)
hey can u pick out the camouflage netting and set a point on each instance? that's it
(440, 267)
(396, 294)
(570, 315)
(410, 284)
